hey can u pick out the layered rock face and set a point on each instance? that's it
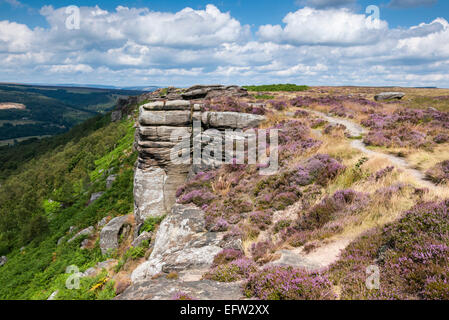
(168, 129)
(197, 92)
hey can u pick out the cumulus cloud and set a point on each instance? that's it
(186, 28)
(14, 37)
(324, 27)
(129, 46)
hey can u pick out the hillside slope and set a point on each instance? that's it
(49, 198)
(342, 203)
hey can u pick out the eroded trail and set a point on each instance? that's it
(355, 130)
(329, 253)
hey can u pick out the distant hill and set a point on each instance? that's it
(99, 86)
(51, 110)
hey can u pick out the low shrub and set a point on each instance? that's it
(439, 173)
(287, 283)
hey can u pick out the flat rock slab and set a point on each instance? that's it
(85, 232)
(389, 96)
(316, 260)
(233, 120)
(149, 200)
(164, 289)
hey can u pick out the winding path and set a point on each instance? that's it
(326, 255)
(355, 131)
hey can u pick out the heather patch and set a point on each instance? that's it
(283, 283)
(382, 173)
(441, 138)
(294, 139)
(282, 190)
(199, 197)
(226, 256)
(400, 129)
(301, 114)
(439, 173)
(236, 270)
(334, 128)
(343, 202)
(335, 102)
(402, 137)
(412, 254)
(279, 105)
(260, 250)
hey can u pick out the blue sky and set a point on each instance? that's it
(317, 42)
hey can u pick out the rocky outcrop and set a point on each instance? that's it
(144, 236)
(162, 126)
(103, 222)
(389, 96)
(123, 106)
(196, 92)
(165, 289)
(213, 91)
(95, 196)
(182, 242)
(110, 181)
(168, 129)
(109, 235)
(85, 232)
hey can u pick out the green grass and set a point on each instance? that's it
(40, 268)
(150, 224)
(277, 87)
(264, 97)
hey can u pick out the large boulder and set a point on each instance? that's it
(144, 236)
(3, 260)
(95, 196)
(109, 236)
(213, 91)
(182, 242)
(389, 96)
(195, 93)
(233, 120)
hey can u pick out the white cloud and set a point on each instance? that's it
(14, 37)
(186, 28)
(324, 27)
(131, 46)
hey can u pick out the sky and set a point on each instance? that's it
(181, 43)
